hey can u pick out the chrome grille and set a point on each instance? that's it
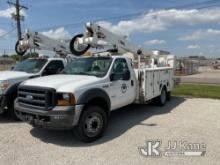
(35, 97)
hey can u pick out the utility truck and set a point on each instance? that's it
(30, 68)
(89, 88)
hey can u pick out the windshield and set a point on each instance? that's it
(94, 66)
(30, 65)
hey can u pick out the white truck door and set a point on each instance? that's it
(122, 89)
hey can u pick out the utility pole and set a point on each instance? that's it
(17, 16)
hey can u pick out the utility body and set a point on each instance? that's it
(89, 88)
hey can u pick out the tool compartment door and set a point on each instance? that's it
(149, 85)
(156, 78)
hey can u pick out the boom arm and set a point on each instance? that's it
(96, 36)
(35, 40)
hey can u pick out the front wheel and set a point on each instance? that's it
(11, 111)
(92, 124)
(78, 49)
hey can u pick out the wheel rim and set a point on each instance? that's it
(79, 47)
(18, 50)
(163, 96)
(93, 124)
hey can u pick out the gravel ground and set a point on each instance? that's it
(192, 120)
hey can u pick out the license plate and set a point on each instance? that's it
(29, 118)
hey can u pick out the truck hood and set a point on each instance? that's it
(12, 75)
(62, 83)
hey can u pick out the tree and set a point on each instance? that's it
(31, 55)
(15, 57)
(194, 57)
(28, 55)
(5, 56)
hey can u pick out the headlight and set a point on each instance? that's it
(65, 99)
(3, 86)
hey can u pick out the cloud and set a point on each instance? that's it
(59, 33)
(200, 34)
(7, 12)
(159, 20)
(154, 42)
(193, 47)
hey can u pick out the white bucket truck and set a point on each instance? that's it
(89, 88)
(31, 67)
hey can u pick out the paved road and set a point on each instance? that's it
(192, 120)
(205, 77)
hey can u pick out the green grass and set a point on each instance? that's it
(198, 91)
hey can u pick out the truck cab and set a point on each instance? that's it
(85, 93)
(27, 69)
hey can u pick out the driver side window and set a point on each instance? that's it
(120, 70)
(54, 67)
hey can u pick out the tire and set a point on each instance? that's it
(92, 124)
(168, 96)
(11, 111)
(161, 100)
(18, 51)
(73, 49)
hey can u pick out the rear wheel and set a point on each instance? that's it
(161, 100)
(92, 124)
(168, 96)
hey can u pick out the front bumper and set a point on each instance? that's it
(3, 103)
(60, 117)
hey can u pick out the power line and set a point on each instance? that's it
(7, 33)
(212, 3)
(95, 20)
(206, 7)
(77, 24)
(196, 4)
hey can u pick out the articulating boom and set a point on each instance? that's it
(35, 40)
(99, 37)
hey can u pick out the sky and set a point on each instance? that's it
(182, 27)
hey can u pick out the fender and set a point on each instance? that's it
(9, 95)
(92, 94)
(12, 89)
